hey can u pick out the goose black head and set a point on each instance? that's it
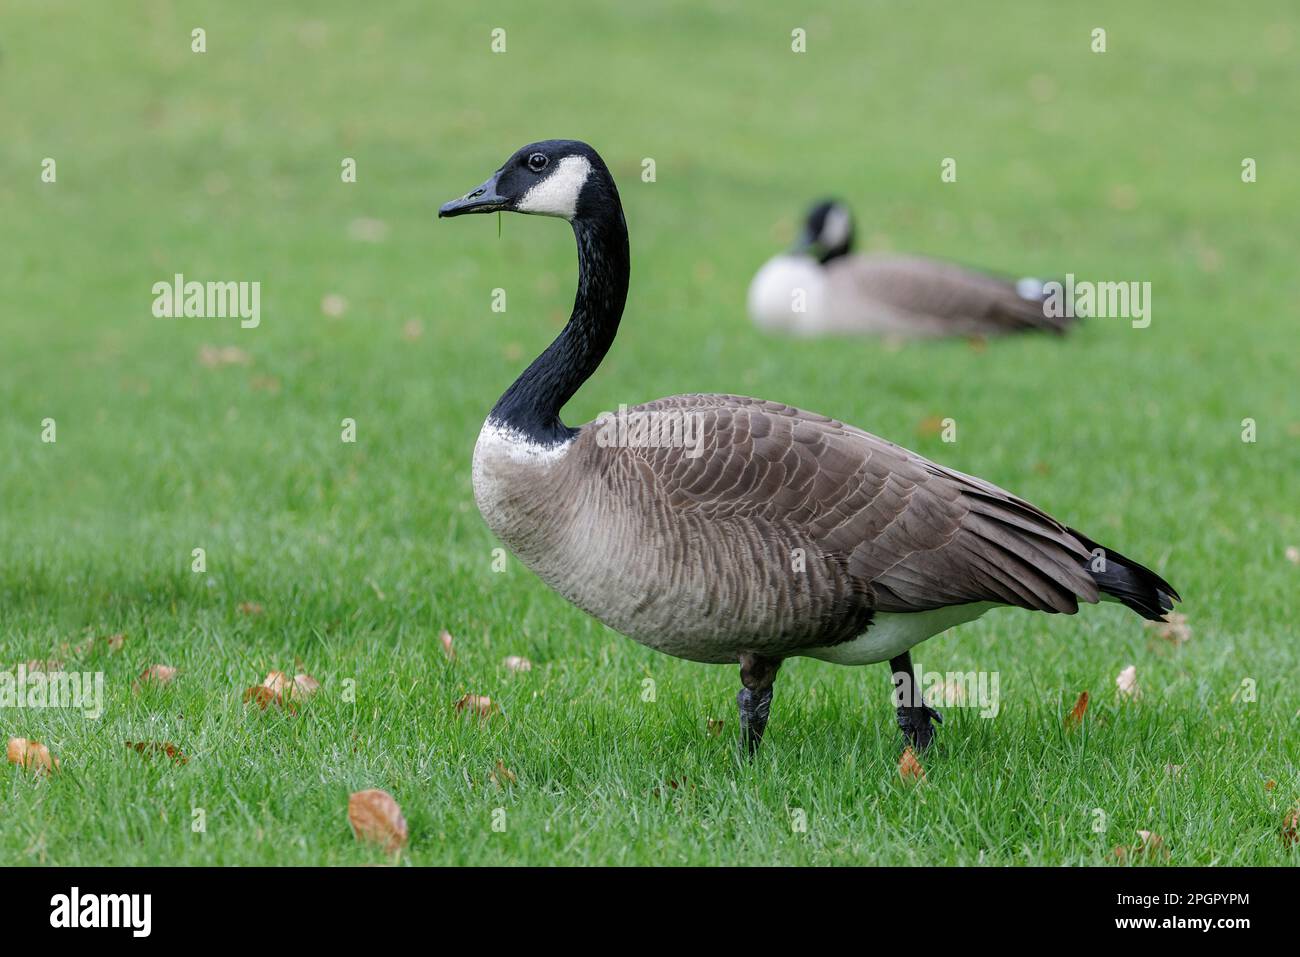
(564, 178)
(827, 231)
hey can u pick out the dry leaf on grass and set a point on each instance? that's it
(715, 726)
(376, 818)
(298, 688)
(1075, 717)
(1174, 629)
(478, 704)
(502, 775)
(304, 686)
(150, 748)
(1127, 682)
(446, 640)
(517, 664)
(155, 675)
(264, 697)
(1291, 827)
(1150, 845)
(1270, 785)
(115, 642)
(930, 425)
(261, 695)
(250, 608)
(909, 769)
(31, 755)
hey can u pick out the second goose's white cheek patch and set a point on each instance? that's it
(557, 195)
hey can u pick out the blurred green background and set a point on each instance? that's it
(184, 433)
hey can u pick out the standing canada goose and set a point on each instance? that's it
(821, 287)
(770, 532)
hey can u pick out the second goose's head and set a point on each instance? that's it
(827, 231)
(564, 178)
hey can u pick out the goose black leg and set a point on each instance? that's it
(913, 713)
(755, 699)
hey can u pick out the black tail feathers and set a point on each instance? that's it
(1135, 585)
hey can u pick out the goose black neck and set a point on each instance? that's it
(532, 405)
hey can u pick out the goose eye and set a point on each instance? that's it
(537, 162)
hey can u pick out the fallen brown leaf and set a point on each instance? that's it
(303, 687)
(376, 818)
(909, 769)
(446, 640)
(1174, 629)
(930, 425)
(31, 755)
(264, 697)
(715, 726)
(250, 608)
(150, 748)
(260, 695)
(1149, 845)
(277, 681)
(1270, 785)
(1291, 827)
(478, 704)
(1075, 717)
(502, 775)
(1127, 684)
(157, 674)
(517, 664)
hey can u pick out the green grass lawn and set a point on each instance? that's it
(226, 165)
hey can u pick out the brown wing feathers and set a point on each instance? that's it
(914, 534)
(938, 292)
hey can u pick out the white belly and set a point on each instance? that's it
(789, 295)
(892, 633)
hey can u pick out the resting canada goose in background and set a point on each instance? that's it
(820, 287)
(774, 532)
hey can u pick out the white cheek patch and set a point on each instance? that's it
(835, 230)
(557, 195)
